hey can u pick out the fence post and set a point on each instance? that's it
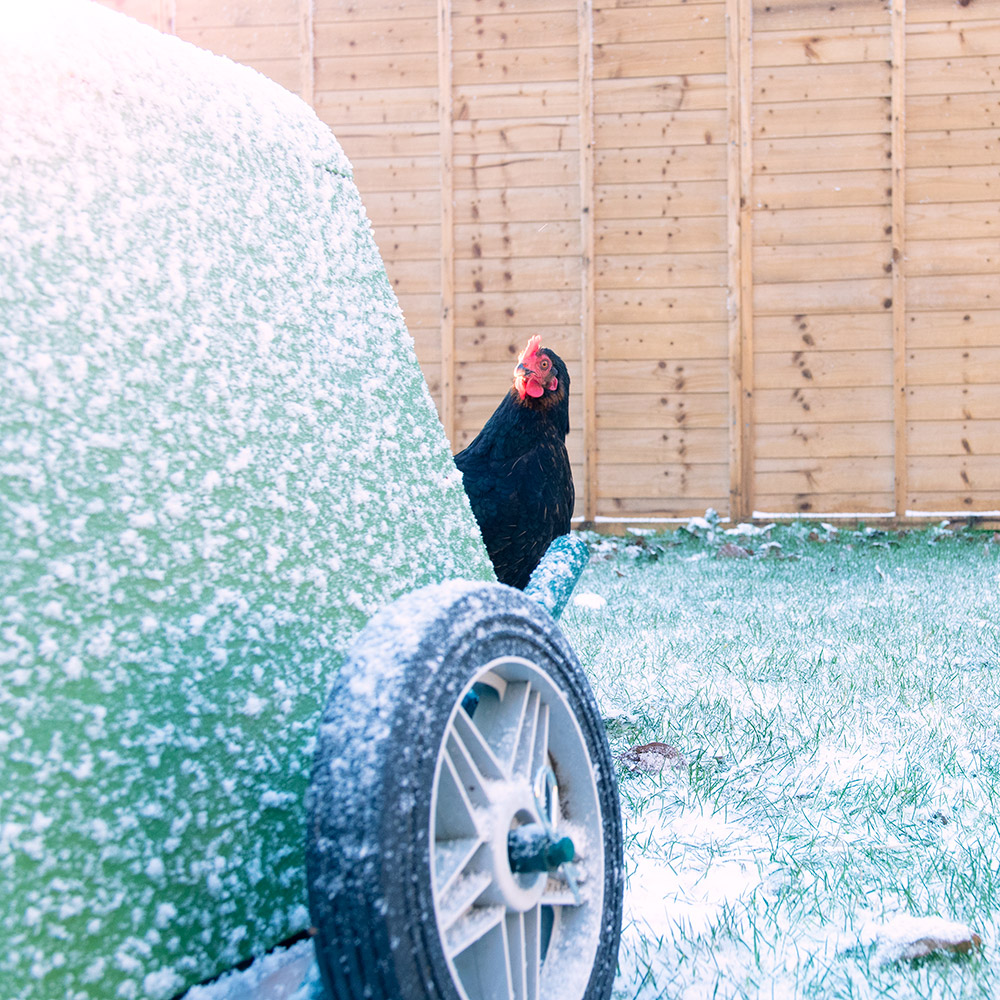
(588, 335)
(739, 170)
(900, 478)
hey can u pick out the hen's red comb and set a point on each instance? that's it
(533, 344)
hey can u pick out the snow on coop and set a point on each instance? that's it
(763, 234)
(219, 460)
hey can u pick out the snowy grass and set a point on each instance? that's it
(836, 700)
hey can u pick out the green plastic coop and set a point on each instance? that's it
(219, 459)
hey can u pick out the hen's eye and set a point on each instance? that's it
(544, 365)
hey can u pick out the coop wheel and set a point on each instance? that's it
(464, 839)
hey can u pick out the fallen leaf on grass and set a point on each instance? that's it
(732, 551)
(653, 758)
(905, 938)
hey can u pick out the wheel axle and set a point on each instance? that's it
(531, 849)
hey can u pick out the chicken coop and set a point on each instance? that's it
(764, 234)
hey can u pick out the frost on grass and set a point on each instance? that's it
(839, 714)
(219, 459)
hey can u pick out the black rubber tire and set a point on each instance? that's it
(369, 800)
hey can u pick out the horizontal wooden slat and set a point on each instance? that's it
(862, 473)
(960, 111)
(405, 69)
(684, 270)
(245, 43)
(954, 366)
(964, 502)
(639, 59)
(496, 33)
(517, 308)
(950, 40)
(628, 411)
(657, 509)
(953, 402)
(959, 148)
(375, 38)
(821, 82)
(226, 13)
(515, 66)
(831, 332)
(822, 118)
(953, 292)
(804, 227)
(388, 141)
(656, 342)
(402, 208)
(952, 184)
(415, 277)
(953, 437)
(823, 368)
(383, 10)
(837, 189)
(959, 473)
(664, 446)
(820, 262)
(866, 43)
(675, 163)
(672, 199)
(848, 296)
(974, 75)
(695, 92)
(975, 220)
(810, 440)
(514, 137)
(823, 405)
(531, 239)
(919, 12)
(662, 481)
(521, 273)
(660, 235)
(359, 107)
(539, 204)
(659, 24)
(821, 154)
(952, 328)
(769, 504)
(515, 100)
(413, 173)
(654, 305)
(409, 242)
(503, 170)
(657, 129)
(663, 376)
(775, 15)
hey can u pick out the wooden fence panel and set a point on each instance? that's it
(762, 233)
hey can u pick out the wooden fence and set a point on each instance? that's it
(764, 234)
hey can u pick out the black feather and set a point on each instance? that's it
(517, 476)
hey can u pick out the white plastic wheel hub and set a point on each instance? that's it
(513, 758)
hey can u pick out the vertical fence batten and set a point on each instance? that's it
(901, 443)
(763, 234)
(587, 304)
(446, 124)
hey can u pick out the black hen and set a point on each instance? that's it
(516, 472)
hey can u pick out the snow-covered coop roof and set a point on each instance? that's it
(219, 459)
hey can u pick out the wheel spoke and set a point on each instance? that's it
(474, 750)
(451, 858)
(524, 756)
(473, 926)
(456, 912)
